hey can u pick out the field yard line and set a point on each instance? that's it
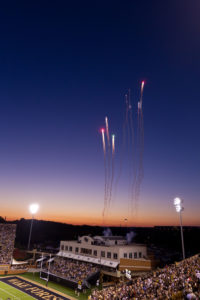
(5, 291)
(18, 290)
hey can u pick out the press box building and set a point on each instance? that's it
(107, 251)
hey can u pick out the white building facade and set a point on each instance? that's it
(106, 251)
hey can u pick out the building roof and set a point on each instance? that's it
(88, 259)
(113, 238)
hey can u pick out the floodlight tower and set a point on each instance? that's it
(125, 223)
(33, 208)
(179, 208)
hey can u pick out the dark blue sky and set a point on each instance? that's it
(64, 67)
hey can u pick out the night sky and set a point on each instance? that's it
(64, 66)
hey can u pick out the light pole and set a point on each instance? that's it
(125, 222)
(179, 208)
(48, 270)
(33, 210)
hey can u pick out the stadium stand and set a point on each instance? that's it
(7, 239)
(19, 267)
(72, 270)
(177, 281)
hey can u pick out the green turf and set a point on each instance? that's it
(57, 286)
(7, 291)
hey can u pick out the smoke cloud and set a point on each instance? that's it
(129, 236)
(107, 232)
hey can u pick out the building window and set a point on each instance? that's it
(62, 247)
(76, 250)
(70, 248)
(140, 254)
(102, 253)
(95, 252)
(130, 255)
(108, 254)
(66, 248)
(115, 242)
(125, 255)
(86, 251)
(115, 255)
(135, 254)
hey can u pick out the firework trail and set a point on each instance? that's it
(112, 168)
(140, 173)
(109, 161)
(107, 131)
(132, 151)
(132, 172)
(128, 148)
(130, 132)
(127, 108)
(122, 150)
(109, 154)
(141, 96)
(105, 170)
(103, 141)
(113, 145)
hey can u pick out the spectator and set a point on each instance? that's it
(72, 270)
(174, 282)
(7, 239)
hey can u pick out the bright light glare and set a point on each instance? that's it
(34, 208)
(177, 201)
(178, 204)
(178, 208)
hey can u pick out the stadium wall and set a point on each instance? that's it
(12, 272)
(135, 264)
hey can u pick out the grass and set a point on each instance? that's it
(56, 286)
(7, 291)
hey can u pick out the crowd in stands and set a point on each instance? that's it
(20, 267)
(7, 239)
(177, 281)
(72, 270)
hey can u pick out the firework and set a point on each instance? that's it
(103, 140)
(113, 144)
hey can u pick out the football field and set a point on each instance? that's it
(7, 291)
(18, 288)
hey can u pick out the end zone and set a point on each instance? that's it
(31, 288)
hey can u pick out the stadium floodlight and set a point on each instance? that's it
(179, 208)
(33, 210)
